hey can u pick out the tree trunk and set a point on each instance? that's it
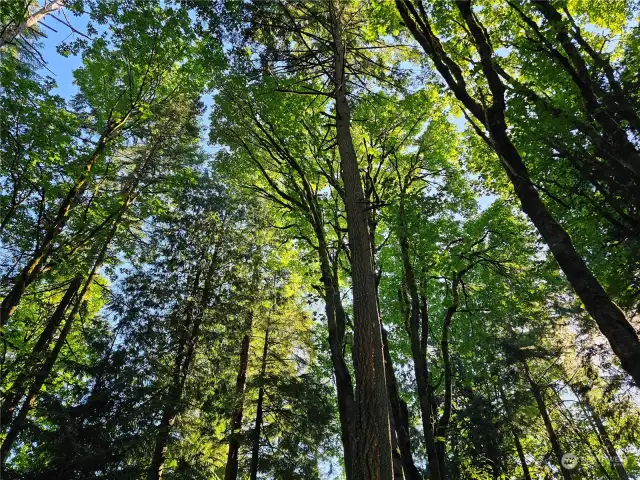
(610, 319)
(604, 437)
(231, 470)
(516, 437)
(626, 154)
(43, 374)
(10, 33)
(542, 407)
(400, 417)
(616, 463)
(51, 359)
(344, 384)
(523, 460)
(443, 422)
(14, 394)
(372, 448)
(182, 363)
(395, 415)
(255, 449)
(156, 468)
(334, 311)
(33, 267)
(396, 458)
(570, 422)
(336, 328)
(418, 337)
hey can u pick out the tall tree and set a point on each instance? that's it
(611, 320)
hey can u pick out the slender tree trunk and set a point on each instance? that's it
(14, 203)
(418, 338)
(514, 432)
(231, 470)
(610, 319)
(443, 422)
(542, 407)
(15, 393)
(45, 370)
(172, 403)
(400, 417)
(51, 359)
(255, 449)
(603, 436)
(570, 421)
(612, 322)
(11, 32)
(395, 416)
(334, 311)
(523, 460)
(34, 266)
(395, 452)
(336, 322)
(182, 363)
(32, 395)
(616, 463)
(336, 329)
(425, 397)
(156, 469)
(372, 449)
(344, 385)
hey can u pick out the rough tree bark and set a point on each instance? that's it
(372, 448)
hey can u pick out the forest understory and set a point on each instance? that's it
(320, 239)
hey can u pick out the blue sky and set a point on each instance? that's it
(61, 68)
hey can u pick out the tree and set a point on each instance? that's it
(342, 283)
(611, 321)
(17, 27)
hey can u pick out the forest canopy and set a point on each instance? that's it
(320, 239)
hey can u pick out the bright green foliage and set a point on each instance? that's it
(213, 219)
